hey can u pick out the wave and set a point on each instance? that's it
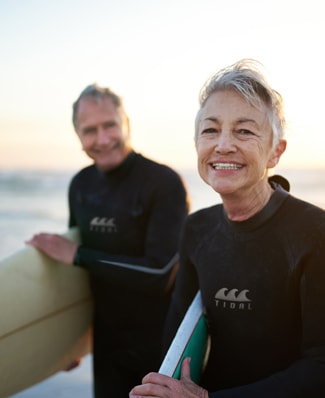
(33, 181)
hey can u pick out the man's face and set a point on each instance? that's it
(103, 131)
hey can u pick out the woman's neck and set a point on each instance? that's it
(241, 208)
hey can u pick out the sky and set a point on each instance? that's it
(156, 54)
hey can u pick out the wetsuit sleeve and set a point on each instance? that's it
(167, 216)
(186, 286)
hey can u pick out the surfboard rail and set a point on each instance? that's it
(191, 340)
(46, 316)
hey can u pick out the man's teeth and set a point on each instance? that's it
(226, 166)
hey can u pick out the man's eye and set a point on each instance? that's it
(109, 125)
(89, 131)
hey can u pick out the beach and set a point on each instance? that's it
(34, 201)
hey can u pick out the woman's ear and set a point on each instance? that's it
(277, 153)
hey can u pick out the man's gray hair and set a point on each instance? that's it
(96, 92)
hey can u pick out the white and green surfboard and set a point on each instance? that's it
(191, 340)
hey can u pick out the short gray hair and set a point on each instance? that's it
(246, 79)
(96, 92)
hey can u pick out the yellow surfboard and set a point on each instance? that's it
(46, 314)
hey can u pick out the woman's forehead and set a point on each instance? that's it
(230, 104)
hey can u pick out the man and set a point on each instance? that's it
(130, 211)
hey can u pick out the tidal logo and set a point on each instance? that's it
(103, 224)
(233, 299)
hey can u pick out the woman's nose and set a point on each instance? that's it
(225, 142)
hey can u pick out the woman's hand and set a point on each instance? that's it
(155, 385)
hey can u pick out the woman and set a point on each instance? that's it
(258, 258)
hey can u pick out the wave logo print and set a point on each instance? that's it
(233, 299)
(103, 224)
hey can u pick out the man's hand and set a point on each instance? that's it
(155, 385)
(74, 364)
(55, 246)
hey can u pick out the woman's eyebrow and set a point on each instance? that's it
(247, 120)
(211, 119)
(237, 121)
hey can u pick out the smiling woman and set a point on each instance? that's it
(234, 146)
(260, 241)
(239, 137)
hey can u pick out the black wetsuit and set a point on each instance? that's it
(263, 286)
(130, 221)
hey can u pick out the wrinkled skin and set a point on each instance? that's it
(55, 246)
(155, 385)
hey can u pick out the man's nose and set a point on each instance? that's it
(103, 136)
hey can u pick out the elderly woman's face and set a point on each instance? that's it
(234, 144)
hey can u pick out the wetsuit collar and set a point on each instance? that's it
(275, 202)
(121, 170)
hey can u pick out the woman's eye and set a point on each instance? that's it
(245, 132)
(209, 131)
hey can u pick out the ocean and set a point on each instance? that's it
(34, 201)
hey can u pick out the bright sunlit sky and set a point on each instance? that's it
(156, 54)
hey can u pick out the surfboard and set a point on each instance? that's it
(191, 340)
(46, 313)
